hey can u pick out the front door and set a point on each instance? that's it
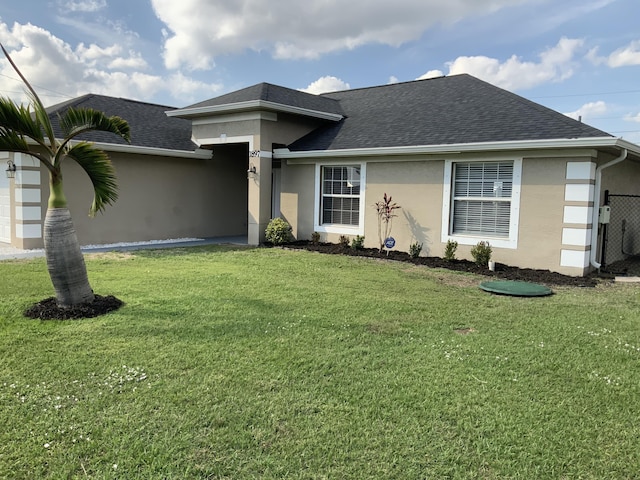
(275, 189)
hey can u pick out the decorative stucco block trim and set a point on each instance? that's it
(581, 170)
(574, 258)
(28, 195)
(28, 177)
(578, 192)
(580, 237)
(28, 213)
(579, 215)
(28, 230)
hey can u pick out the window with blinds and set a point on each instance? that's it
(340, 195)
(482, 193)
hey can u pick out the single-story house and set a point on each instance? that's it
(465, 160)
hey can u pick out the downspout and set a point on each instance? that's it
(596, 207)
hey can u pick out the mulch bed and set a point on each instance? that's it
(502, 272)
(48, 309)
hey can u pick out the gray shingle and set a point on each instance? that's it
(150, 126)
(440, 111)
(276, 94)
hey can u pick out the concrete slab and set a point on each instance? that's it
(627, 279)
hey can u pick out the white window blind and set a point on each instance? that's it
(482, 193)
(340, 195)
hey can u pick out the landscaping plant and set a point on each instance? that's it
(385, 209)
(29, 130)
(481, 253)
(357, 243)
(278, 231)
(415, 249)
(450, 250)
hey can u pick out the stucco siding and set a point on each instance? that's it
(553, 218)
(162, 198)
(417, 188)
(297, 198)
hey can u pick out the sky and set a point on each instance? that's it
(579, 57)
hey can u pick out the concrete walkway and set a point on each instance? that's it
(7, 252)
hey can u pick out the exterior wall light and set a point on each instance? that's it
(11, 169)
(252, 173)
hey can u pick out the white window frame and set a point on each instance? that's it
(514, 214)
(318, 226)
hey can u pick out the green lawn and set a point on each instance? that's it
(268, 363)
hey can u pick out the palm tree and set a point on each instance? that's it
(28, 130)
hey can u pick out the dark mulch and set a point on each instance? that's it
(502, 272)
(48, 309)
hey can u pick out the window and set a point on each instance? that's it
(340, 195)
(483, 202)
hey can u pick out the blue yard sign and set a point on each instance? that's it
(390, 243)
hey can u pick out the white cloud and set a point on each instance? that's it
(326, 84)
(628, 55)
(555, 64)
(82, 5)
(589, 110)
(625, 56)
(392, 79)
(431, 74)
(133, 62)
(59, 72)
(200, 30)
(633, 118)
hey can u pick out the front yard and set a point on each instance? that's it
(269, 363)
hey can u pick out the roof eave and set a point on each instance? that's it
(213, 110)
(164, 152)
(198, 153)
(588, 142)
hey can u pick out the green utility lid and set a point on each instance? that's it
(515, 288)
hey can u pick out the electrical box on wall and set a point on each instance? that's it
(605, 214)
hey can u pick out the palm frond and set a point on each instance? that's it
(78, 120)
(42, 119)
(17, 118)
(10, 141)
(95, 162)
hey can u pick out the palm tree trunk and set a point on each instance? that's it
(65, 261)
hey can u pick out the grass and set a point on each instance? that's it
(268, 363)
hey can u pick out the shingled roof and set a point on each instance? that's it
(268, 92)
(447, 110)
(150, 126)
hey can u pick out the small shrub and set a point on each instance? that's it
(278, 231)
(315, 238)
(450, 250)
(481, 253)
(357, 243)
(415, 249)
(344, 241)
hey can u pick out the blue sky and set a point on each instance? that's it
(579, 57)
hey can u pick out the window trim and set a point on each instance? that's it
(318, 226)
(511, 241)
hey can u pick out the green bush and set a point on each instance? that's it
(415, 249)
(315, 238)
(481, 253)
(278, 231)
(357, 243)
(450, 250)
(343, 241)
